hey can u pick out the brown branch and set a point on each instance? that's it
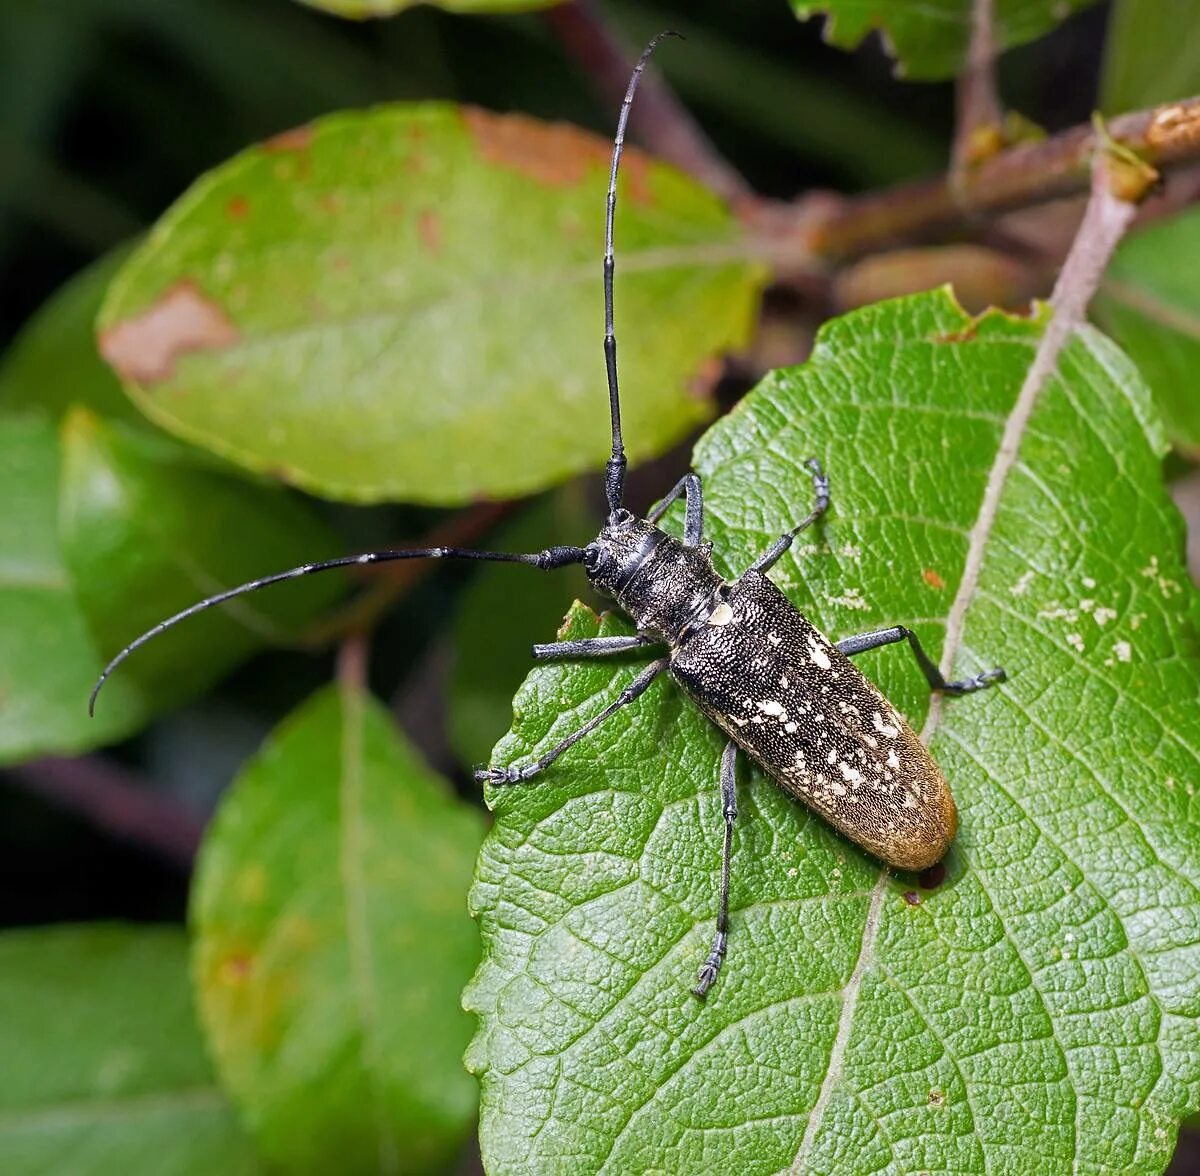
(115, 800)
(352, 657)
(392, 581)
(977, 100)
(658, 118)
(1031, 173)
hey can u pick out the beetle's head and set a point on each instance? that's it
(615, 555)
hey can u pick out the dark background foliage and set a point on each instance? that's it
(112, 108)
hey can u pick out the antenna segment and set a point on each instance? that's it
(614, 473)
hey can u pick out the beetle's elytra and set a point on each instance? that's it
(780, 690)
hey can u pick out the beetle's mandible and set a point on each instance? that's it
(779, 689)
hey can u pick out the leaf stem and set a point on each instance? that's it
(659, 119)
(977, 100)
(392, 581)
(116, 801)
(1107, 218)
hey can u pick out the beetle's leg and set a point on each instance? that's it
(864, 641)
(712, 965)
(590, 647)
(514, 775)
(693, 520)
(820, 505)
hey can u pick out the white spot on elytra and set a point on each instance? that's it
(771, 707)
(721, 615)
(851, 775)
(773, 638)
(790, 728)
(784, 682)
(893, 760)
(819, 657)
(884, 728)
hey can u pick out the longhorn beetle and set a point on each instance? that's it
(777, 687)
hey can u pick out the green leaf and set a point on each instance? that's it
(1036, 1013)
(332, 943)
(501, 616)
(53, 363)
(405, 304)
(364, 9)
(105, 532)
(1149, 302)
(1150, 54)
(929, 40)
(104, 1069)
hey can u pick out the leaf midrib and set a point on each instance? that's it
(686, 258)
(358, 938)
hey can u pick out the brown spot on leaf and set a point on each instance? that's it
(297, 139)
(932, 878)
(235, 969)
(933, 579)
(912, 898)
(143, 348)
(936, 1097)
(966, 335)
(238, 208)
(703, 380)
(429, 226)
(552, 153)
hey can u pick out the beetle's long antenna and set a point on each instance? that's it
(551, 557)
(614, 473)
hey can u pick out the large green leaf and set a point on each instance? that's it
(406, 303)
(332, 943)
(1150, 53)
(1036, 1013)
(53, 363)
(104, 1069)
(929, 38)
(1151, 304)
(102, 534)
(363, 9)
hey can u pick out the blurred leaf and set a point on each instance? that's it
(1150, 302)
(148, 529)
(1036, 1013)
(104, 533)
(499, 618)
(53, 363)
(405, 304)
(866, 140)
(363, 9)
(1150, 54)
(929, 40)
(332, 944)
(104, 1070)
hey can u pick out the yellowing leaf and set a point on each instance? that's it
(331, 945)
(406, 304)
